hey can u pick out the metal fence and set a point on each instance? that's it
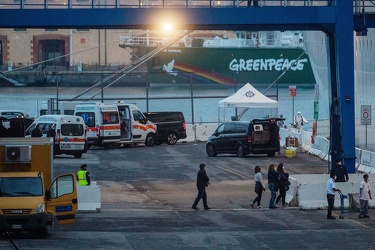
(359, 6)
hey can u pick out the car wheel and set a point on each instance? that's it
(210, 150)
(150, 140)
(271, 154)
(240, 151)
(171, 138)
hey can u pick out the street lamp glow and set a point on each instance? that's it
(167, 27)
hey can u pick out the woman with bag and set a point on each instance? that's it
(283, 183)
(259, 186)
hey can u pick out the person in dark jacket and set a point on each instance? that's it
(283, 183)
(272, 184)
(202, 182)
(36, 132)
(340, 171)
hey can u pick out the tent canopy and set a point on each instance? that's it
(248, 97)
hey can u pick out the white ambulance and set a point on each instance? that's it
(119, 123)
(135, 127)
(68, 131)
(103, 123)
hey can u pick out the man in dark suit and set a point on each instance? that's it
(202, 182)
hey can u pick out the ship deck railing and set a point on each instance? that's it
(132, 41)
(359, 6)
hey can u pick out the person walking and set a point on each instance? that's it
(364, 196)
(272, 185)
(259, 186)
(331, 189)
(340, 171)
(202, 182)
(283, 182)
(83, 176)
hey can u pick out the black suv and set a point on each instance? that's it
(260, 136)
(171, 126)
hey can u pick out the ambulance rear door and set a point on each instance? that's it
(89, 114)
(110, 128)
(125, 122)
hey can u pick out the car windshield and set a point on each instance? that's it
(21, 186)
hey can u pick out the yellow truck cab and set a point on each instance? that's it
(26, 171)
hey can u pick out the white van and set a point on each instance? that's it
(135, 127)
(103, 123)
(69, 132)
(118, 123)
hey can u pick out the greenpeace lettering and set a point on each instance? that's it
(266, 64)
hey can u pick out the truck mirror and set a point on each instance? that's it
(48, 194)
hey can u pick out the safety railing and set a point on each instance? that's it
(85, 4)
(359, 6)
(364, 6)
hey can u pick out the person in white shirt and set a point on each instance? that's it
(259, 186)
(331, 189)
(364, 196)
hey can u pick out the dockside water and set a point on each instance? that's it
(202, 108)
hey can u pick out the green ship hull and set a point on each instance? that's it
(286, 66)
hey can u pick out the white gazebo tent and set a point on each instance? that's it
(247, 97)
